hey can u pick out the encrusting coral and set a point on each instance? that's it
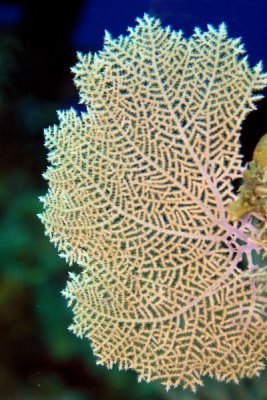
(253, 191)
(139, 191)
(252, 199)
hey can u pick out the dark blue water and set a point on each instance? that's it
(246, 18)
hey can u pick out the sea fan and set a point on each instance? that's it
(138, 194)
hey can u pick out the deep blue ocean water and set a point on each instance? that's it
(246, 18)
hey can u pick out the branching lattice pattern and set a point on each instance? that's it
(138, 190)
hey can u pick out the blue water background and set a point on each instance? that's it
(246, 18)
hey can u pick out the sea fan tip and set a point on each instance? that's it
(80, 55)
(147, 19)
(140, 20)
(40, 217)
(197, 30)
(258, 67)
(107, 36)
(223, 29)
(61, 114)
(62, 255)
(210, 27)
(73, 70)
(73, 276)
